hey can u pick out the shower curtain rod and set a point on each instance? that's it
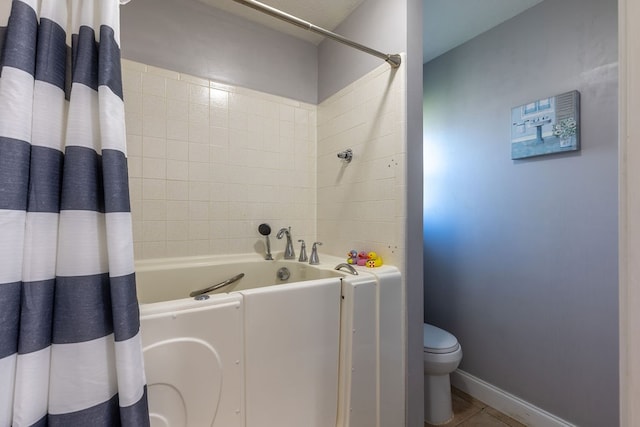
(392, 59)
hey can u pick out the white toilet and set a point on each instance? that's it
(442, 354)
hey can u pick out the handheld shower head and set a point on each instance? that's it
(264, 229)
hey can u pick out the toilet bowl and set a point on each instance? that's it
(442, 354)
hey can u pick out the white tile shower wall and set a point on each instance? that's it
(209, 162)
(362, 204)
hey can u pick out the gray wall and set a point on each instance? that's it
(193, 38)
(379, 24)
(414, 268)
(521, 256)
(391, 26)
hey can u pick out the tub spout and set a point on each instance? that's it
(289, 252)
(349, 268)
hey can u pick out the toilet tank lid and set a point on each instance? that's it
(438, 340)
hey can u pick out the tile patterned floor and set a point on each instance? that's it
(470, 412)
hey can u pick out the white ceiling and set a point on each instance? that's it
(447, 23)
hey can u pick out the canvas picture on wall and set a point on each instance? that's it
(546, 126)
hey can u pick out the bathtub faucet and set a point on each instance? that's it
(289, 253)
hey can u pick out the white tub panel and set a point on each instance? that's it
(291, 354)
(193, 363)
(358, 405)
(392, 330)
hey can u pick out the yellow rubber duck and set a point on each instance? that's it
(374, 260)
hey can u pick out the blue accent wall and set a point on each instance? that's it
(521, 256)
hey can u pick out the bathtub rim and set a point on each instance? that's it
(328, 262)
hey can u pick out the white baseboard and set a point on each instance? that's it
(504, 402)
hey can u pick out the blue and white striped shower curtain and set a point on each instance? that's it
(70, 348)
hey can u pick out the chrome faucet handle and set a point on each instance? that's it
(303, 252)
(313, 259)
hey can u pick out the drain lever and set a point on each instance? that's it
(217, 286)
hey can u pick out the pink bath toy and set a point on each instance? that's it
(363, 257)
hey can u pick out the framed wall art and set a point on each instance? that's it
(546, 126)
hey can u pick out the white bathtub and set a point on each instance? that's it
(259, 352)
(172, 279)
(263, 352)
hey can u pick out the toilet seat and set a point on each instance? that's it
(438, 341)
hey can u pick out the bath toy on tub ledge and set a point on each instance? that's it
(374, 260)
(363, 257)
(352, 257)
